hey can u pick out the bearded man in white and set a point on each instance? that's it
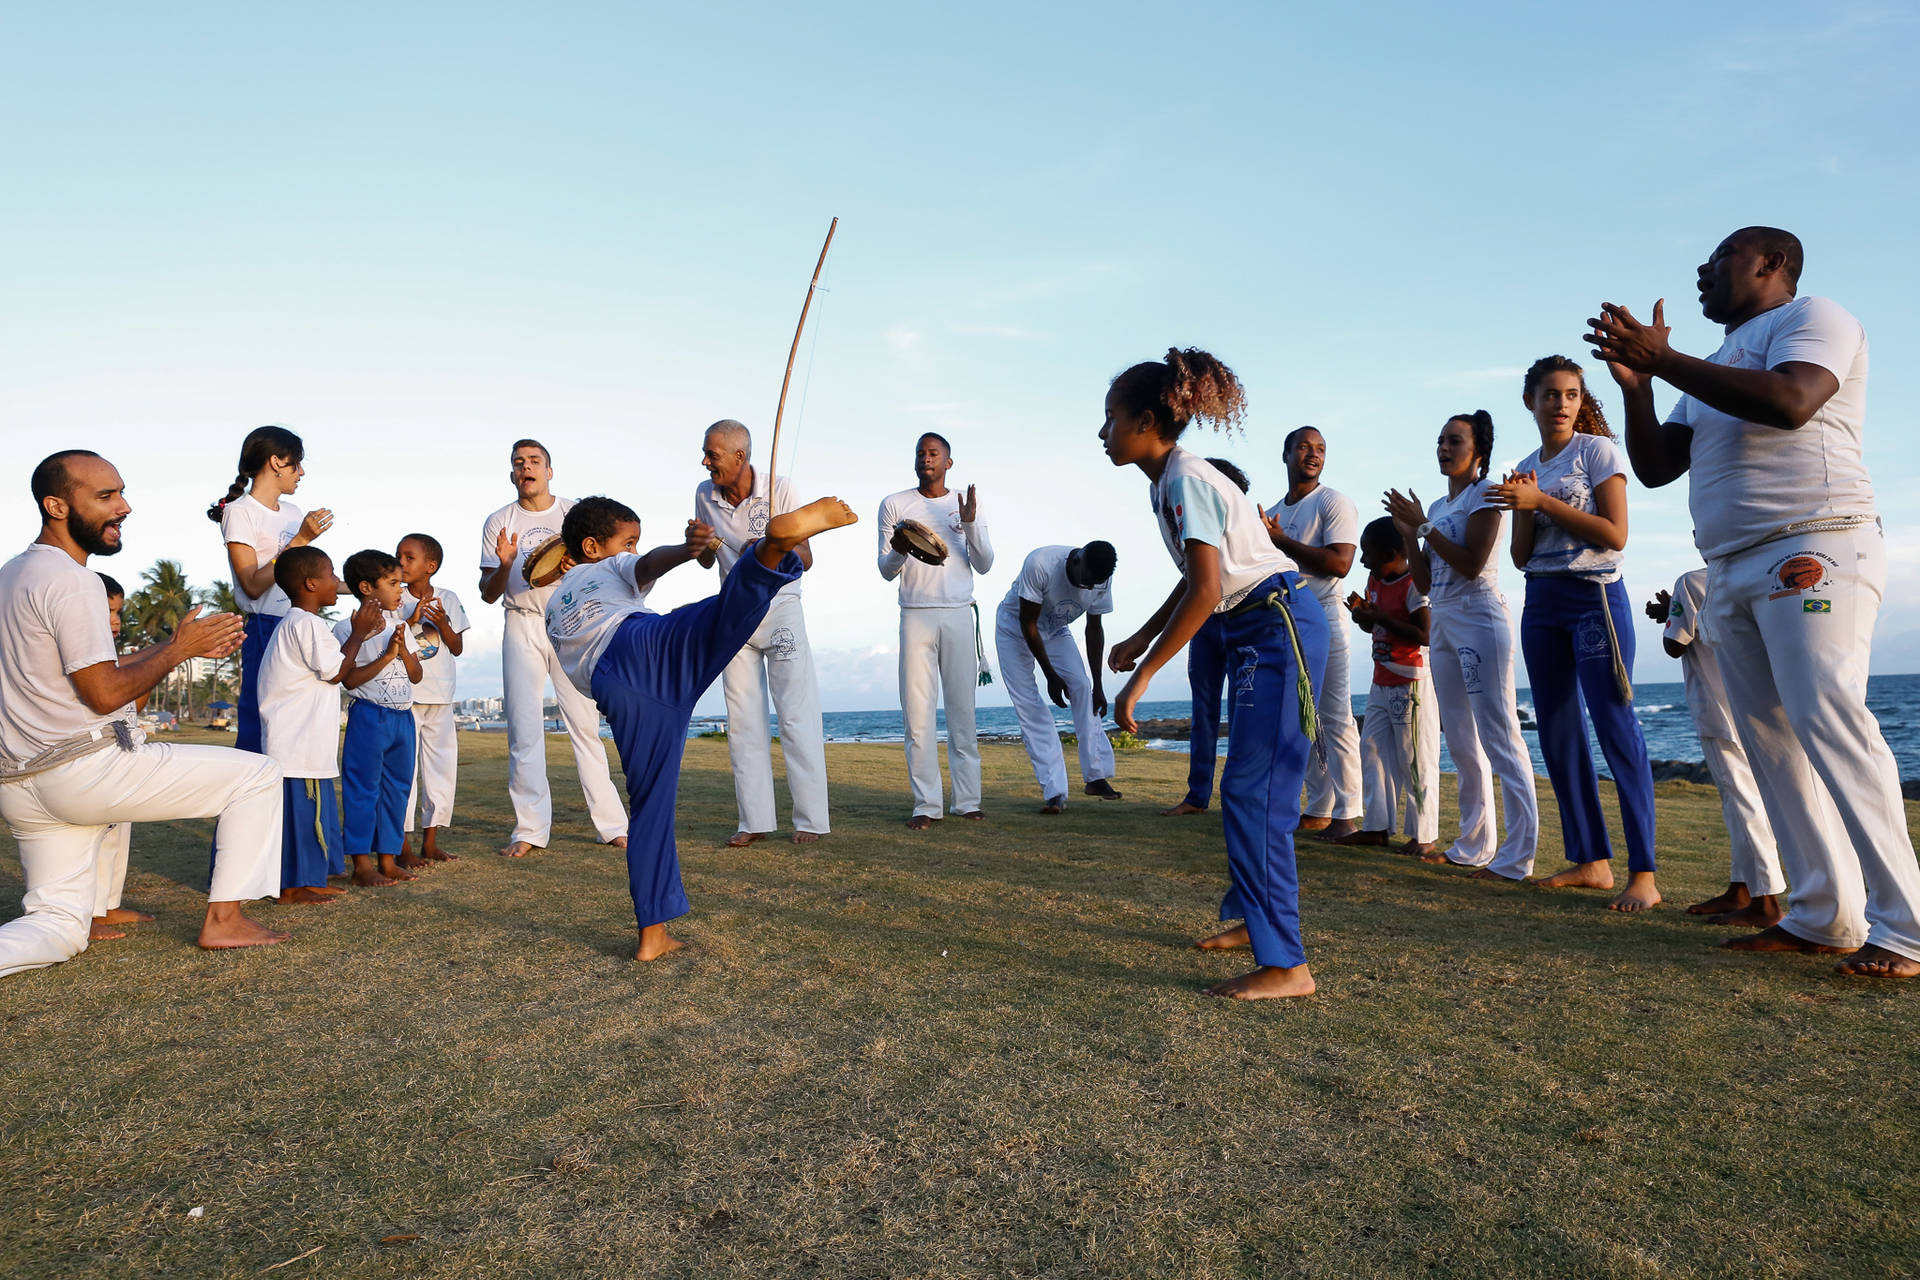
(73, 760)
(735, 504)
(941, 652)
(1319, 528)
(1770, 427)
(511, 535)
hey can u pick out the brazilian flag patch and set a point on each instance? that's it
(1816, 606)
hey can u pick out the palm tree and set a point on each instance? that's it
(218, 598)
(169, 598)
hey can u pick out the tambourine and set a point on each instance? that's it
(923, 544)
(546, 566)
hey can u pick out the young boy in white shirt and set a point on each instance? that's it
(438, 626)
(376, 761)
(1400, 738)
(110, 859)
(300, 674)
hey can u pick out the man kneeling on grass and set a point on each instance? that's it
(646, 670)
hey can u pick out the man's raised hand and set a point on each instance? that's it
(506, 547)
(1634, 352)
(969, 506)
(214, 636)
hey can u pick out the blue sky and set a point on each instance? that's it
(414, 233)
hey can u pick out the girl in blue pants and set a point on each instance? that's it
(1569, 497)
(1273, 635)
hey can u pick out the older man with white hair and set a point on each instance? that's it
(735, 502)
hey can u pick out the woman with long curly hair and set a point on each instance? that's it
(1272, 629)
(1569, 499)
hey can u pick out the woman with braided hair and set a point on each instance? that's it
(1272, 629)
(257, 525)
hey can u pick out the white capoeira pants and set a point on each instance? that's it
(110, 866)
(1333, 788)
(1400, 759)
(436, 764)
(1037, 729)
(939, 662)
(1470, 650)
(779, 660)
(57, 819)
(1795, 665)
(1752, 857)
(527, 662)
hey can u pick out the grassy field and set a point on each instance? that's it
(975, 1052)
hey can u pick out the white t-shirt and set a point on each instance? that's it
(587, 607)
(1752, 484)
(1572, 475)
(969, 550)
(1192, 501)
(53, 622)
(248, 520)
(391, 688)
(1043, 580)
(1449, 517)
(739, 526)
(1699, 665)
(533, 529)
(436, 660)
(299, 704)
(1320, 519)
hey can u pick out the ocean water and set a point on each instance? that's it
(1661, 708)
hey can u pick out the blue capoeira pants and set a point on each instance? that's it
(1267, 750)
(1563, 634)
(310, 839)
(376, 773)
(253, 651)
(653, 671)
(1207, 677)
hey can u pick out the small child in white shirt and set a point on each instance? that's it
(437, 625)
(376, 761)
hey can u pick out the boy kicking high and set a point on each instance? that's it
(646, 670)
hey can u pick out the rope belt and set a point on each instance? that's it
(980, 649)
(1621, 680)
(1303, 683)
(124, 734)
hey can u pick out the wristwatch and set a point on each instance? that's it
(1426, 527)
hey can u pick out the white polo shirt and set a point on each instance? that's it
(740, 526)
(1193, 501)
(1321, 519)
(248, 520)
(299, 703)
(969, 550)
(53, 622)
(391, 688)
(533, 529)
(587, 607)
(1043, 580)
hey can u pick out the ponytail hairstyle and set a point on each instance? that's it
(1186, 385)
(1592, 419)
(262, 445)
(1481, 423)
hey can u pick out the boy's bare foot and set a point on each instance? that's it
(332, 890)
(1182, 809)
(301, 895)
(1763, 912)
(390, 866)
(618, 842)
(1777, 939)
(125, 915)
(1639, 895)
(430, 848)
(226, 929)
(791, 528)
(366, 873)
(1313, 822)
(1268, 982)
(1337, 828)
(518, 849)
(1733, 899)
(1364, 839)
(1425, 850)
(411, 862)
(655, 942)
(1875, 961)
(1581, 875)
(920, 822)
(98, 930)
(974, 815)
(807, 837)
(1102, 787)
(1054, 804)
(1226, 940)
(741, 839)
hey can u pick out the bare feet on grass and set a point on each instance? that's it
(366, 873)
(331, 890)
(430, 848)
(391, 868)
(655, 942)
(225, 929)
(1639, 895)
(1053, 805)
(1103, 788)
(301, 895)
(98, 930)
(789, 529)
(741, 839)
(1226, 940)
(974, 815)
(1874, 961)
(1733, 899)
(807, 837)
(1776, 939)
(1182, 809)
(1364, 839)
(1313, 823)
(125, 915)
(518, 849)
(1425, 850)
(920, 822)
(1581, 875)
(1488, 873)
(411, 861)
(1338, 829)
(1763, 912)
(618, 842)
(1268, 982)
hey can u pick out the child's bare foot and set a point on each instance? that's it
(226, 929)
(1639, 895)
(518, 849)
(98, 930)
(411, 861)
(125, 915)
(791, 528)
(1102, 787)
(1425, 850)
(366, 873)
(301, 895)
(920, 822)
(1182, 809)
(1226, 940)
(1733, 899)
(1364, 838)
(1054, 804)
(1875, 961)
(741, 839)
(332, 890)
(618, 842)
(655, 942)
(1268, 982)
(1581, 875)
(807, 837)
(1776, 938)
(1337, 828)
(1763, 912)
(390, 866)
(1313, 822)
(974, 815)
(430, 848)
